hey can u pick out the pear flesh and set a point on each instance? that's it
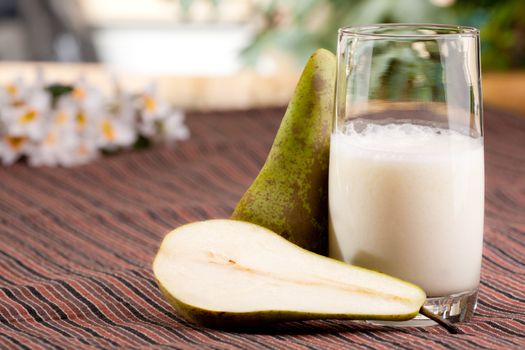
(290, 194)
(226, 273)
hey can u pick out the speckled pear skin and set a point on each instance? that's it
(290, 194)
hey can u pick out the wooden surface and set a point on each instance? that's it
(76, 247)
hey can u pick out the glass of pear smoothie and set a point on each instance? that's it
(406, 181)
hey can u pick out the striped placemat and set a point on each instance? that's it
(76, 247)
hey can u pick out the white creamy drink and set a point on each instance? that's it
(408, 200)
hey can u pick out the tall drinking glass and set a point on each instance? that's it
(406, 183)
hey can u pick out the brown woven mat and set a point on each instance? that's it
(76, 246)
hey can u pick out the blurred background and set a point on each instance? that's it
(201, 50)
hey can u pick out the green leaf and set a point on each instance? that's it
(57, 90)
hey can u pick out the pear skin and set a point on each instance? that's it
(290, 194)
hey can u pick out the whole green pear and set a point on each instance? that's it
(290, 194)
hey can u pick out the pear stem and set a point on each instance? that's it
(440, 321)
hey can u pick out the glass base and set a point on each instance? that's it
(453, 308)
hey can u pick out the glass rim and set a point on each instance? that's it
(370, 30)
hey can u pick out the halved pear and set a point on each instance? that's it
(226, 273)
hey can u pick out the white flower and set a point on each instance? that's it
(113, 133)
(17, 92)
(55, 149)
(158, 121)
(87, 97)
(151, 105)
(147, 128)
(73, 114)
(80, 123)
(88, 105)
(13, 92)
(152, 109)
(62, 146)
(12, 148)
(83, 152)
(27, 118)
(65, 114)
(174, 128)
(123, 108)
(60, 142)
